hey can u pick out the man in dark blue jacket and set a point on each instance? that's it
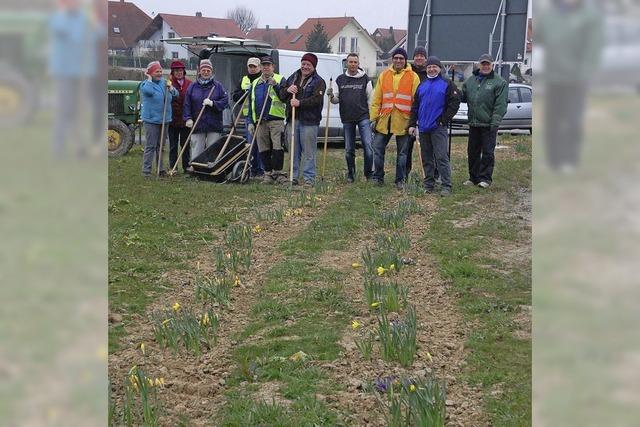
(435, 103)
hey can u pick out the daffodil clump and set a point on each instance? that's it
(270, 215)
(301, 199)
(181, 327)
(391, 219)
(237, 249)
(364, 340)
(411, 401)
(398, 338)
(293, 212)
(141, 405)
(391, 297)
(215, 289)
(381, 262)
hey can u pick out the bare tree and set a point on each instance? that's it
(243, 17)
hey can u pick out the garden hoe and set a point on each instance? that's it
(253, 137)
(326, 134)
(172, 172)
(292, 144)
(164, 116)
(420, 152)
(235, 123)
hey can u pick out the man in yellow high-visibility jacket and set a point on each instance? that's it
(389, 114)
(253, 72)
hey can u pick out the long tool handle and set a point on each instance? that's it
(420, 153)
(233, 128)
(292, 144)
(255, 132)
(326, 134)
(164, 116)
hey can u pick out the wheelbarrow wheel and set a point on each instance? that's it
(236, 173)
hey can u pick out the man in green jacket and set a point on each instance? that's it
(485, 93)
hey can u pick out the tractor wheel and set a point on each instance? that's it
(119, 138)
(17, 100)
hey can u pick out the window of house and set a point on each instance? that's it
(342, 41)
(116, 30)
(354, 45)
(296, 38)
(174, 55)
(171, 35)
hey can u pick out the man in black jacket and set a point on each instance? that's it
(353, 94)
(308, 88)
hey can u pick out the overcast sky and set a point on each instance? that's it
(371, 14)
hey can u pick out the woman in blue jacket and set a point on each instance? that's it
(207, 93)
(153, 91)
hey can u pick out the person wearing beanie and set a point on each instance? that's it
(253, 72)
(389, 114)
(178, 132)
(436, 102)
(308, 88)
(486, 94)
(152, 93)
(353, 93)
(266, 121)
(208, 94)
(419, 66)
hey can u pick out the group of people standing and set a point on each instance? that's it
(411, 102)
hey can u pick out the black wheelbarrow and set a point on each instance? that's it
(227, 167)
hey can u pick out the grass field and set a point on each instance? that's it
(285, 352)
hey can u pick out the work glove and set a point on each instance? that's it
(272, 81)
(251, 128)
(189, 123)
(169, 83)
(412, 131)
(208, 102)
(330, 92)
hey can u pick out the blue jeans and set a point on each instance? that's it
(434, 147)
(152, 147)
(257, 168)
(366, 137)
(380, 141)
(306, 145)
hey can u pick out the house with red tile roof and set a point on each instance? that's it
(168, 26)
(345, 35)
(399, 37)
(125, 23)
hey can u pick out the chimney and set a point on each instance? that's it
(199, 14)
(266, 27)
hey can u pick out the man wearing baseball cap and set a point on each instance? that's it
(253, 72)
(485, 93)
(308, 88)
(178, 131)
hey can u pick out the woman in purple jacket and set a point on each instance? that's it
(210, 94)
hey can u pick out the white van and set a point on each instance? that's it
(229, 58)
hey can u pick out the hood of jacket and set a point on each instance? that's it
(359, 73)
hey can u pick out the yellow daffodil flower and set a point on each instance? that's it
(176, 306)
(204, 321)
(355, 324)
(297, 357)
(375, 304)
(198, 265)
(257, 229)
(237, 282)
(150, 382)
(159, 382)
(142, 349)
(429, 357)
(412, 388)
(381, 270)
(392, 267)
(356, 265)
(165, 321)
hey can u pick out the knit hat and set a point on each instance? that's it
(419, 51)
(205, 63)
(177, 64)
(153, 67)
(253, 61)
(434, 60)
(311, 58)
(399, 51)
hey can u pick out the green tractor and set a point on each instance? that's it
(124, 115)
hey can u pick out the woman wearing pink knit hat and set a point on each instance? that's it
(153, 92)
